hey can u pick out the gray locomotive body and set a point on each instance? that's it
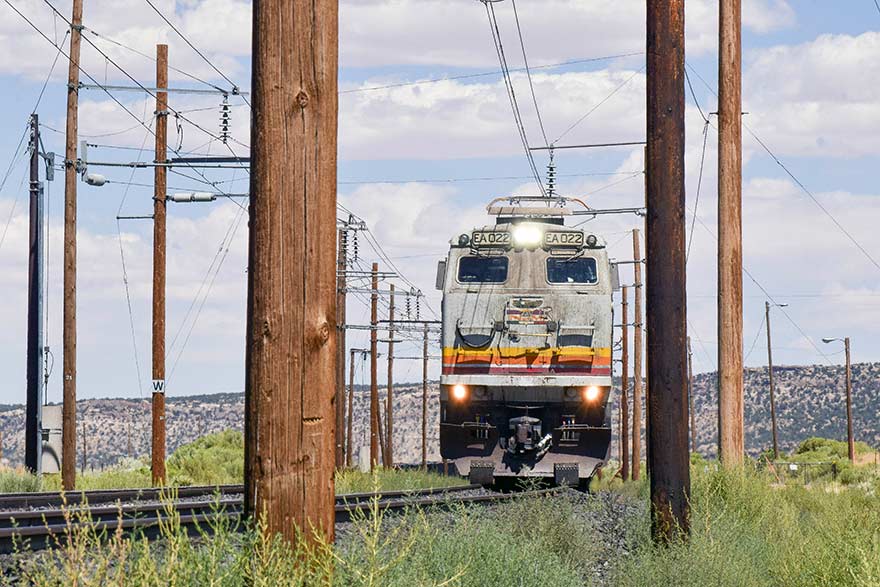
(527, 343)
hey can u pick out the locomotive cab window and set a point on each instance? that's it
(482, 269)
(581, 270)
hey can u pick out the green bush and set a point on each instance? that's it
(18, 481)
(215, 459)
(817, 448)
(747, 533)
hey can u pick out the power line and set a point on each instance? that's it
(109, 94)
(235, 88)
(137, 361)
(754, 342)
(97, 136)
(702, 162)
(488, 73)
(813, 197)
(12, 163)
(126, 74)
(797, 181)
(770, 297)
(49, 75)
(687, 254)
(151, 58)
(240, 214)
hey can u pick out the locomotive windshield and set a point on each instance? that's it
(581, 270)
(482, 269)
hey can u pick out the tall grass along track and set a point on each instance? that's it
(43, 520)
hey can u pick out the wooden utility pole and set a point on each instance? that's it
(850, 437)
(341, 262)
(730, 308)
(68, 409)
(425, 399)
(34, 364)
(637, 361)
(667, 410)
(389, 396)
(291, 356)
(624, 386)
(772, 386)
(348, 434)
(691, 396)
(157, 452)
(374, 382)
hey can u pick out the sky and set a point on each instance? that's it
(419, 162)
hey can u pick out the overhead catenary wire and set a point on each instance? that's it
(522, 45)
(600, 103)
(476, 179)
(511, 93)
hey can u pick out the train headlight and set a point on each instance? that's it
(592, 241)
(592, 393)
(463, 240)
(459, 392)
(527, 236)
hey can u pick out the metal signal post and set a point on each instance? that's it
(32, 442)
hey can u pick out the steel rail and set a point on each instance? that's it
(22, 501)
(30, 530)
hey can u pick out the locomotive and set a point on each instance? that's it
(527, 323)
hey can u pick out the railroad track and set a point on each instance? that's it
(41, 522)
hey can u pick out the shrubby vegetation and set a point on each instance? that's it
(746, 531)
(548, 545)
(214, 459)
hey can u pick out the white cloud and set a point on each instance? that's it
(447, 33)
(818, 98)
(451, 119)
(213, 356)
